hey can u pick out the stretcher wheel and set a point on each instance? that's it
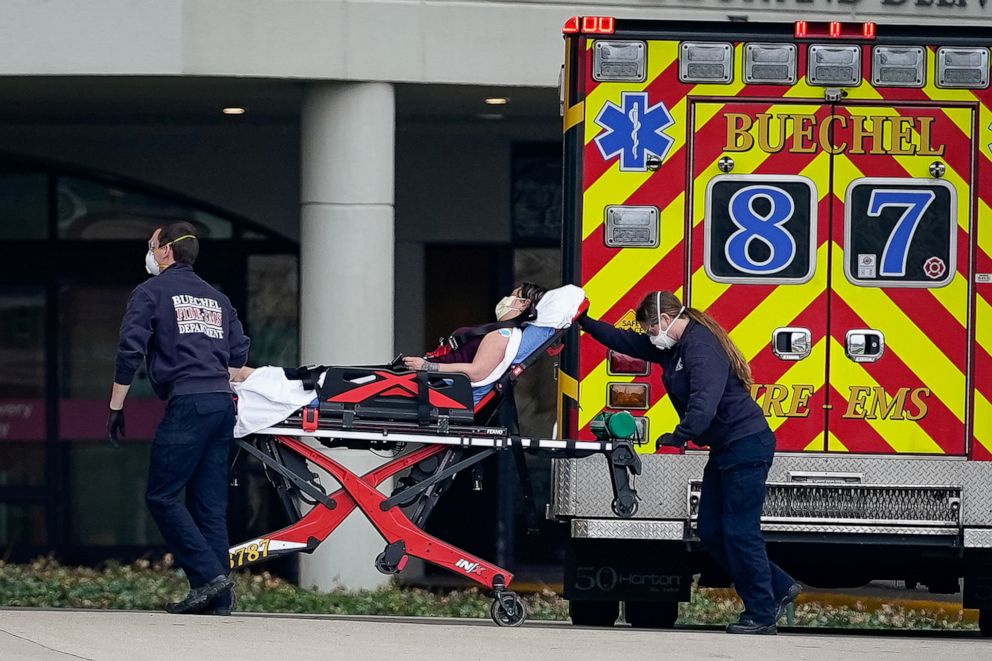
(625, 507)
(392, 560)
(501, 609)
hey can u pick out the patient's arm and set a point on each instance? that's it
(240, 373)
(487, 358)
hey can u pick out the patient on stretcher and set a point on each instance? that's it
(351, 395)
(483, 353)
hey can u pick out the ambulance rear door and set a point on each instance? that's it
(899, 272)
(759, 250)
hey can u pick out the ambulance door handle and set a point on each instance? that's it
(864, 345)
(790, 343)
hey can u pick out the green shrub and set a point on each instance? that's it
(147, 586)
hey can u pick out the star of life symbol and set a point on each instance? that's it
(633, 131)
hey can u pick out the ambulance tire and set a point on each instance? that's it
(651, 614)
(985, 622)
(594, 613)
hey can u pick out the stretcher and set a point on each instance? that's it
(428, 420)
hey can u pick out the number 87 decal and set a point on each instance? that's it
(915, 203)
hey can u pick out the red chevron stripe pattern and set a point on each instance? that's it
(930, 390)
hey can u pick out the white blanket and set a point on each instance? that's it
(267, 398)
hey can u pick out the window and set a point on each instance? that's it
(760, 229)
(535, 195)
(273, 295)
(900, 232)
(61, 484)
(89, 209)
(22, 410)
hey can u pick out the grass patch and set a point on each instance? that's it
(147, 586)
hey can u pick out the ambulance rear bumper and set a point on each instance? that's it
(939, 499)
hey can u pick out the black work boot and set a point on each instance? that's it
(747, 625)
(198, 598)
(222, 604)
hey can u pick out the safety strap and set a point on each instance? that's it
(455, 340)
(423, 399)
(309, 375)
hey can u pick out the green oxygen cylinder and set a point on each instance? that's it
(607, 426)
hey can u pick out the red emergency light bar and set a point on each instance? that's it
(834, 30)
(589, 25)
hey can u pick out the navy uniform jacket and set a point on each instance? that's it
(714, 406)
(188, 332)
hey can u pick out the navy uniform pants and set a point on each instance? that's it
(190, 451)
(733, 494)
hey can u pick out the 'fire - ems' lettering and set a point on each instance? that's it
(871, 403)
(834, 134)
(863, 402)
(777, 395)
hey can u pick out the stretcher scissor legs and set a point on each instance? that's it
(403, 537)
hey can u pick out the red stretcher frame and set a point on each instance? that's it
(393, 524)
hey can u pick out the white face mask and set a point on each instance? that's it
(151, 265)
(505, 305)
(663, 340)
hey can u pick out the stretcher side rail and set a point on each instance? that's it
(479, 440)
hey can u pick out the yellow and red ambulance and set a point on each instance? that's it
(824, 191)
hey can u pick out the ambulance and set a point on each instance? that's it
(824, 191)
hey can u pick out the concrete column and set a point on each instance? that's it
(346, 273)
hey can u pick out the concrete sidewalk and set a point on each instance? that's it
(43, 635)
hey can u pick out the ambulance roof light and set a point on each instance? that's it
(597, 25)
(589, 25)
(834, 30)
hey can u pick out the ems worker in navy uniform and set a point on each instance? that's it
(192, 341)
(708, 381)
